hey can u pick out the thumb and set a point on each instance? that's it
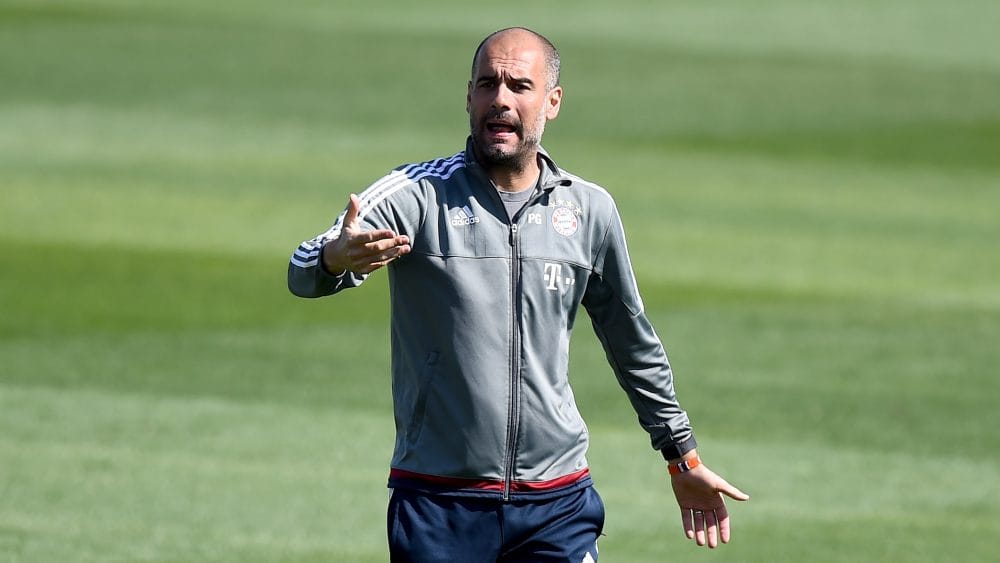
(353, 209)
(732, 492)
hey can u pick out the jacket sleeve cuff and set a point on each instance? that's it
(677, 450)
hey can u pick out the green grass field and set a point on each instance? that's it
(811, 191)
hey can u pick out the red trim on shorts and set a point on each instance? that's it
(490, 484)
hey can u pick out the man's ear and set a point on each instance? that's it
(468, 98)
(553, 102)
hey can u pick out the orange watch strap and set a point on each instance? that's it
(684, 466)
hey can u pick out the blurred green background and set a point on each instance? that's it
(811, 191)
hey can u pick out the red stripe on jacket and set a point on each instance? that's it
(490, 484)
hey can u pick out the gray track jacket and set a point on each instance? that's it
(482, 311)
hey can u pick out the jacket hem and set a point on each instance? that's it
(488, 488)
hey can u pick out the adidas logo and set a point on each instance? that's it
(464, 216)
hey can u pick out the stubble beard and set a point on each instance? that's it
(518, 159)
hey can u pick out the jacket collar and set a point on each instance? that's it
(551, 175)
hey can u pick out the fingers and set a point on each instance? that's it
(369, 257)
(361, 251)
(723, 516)
(699, 527)
(384, 237)
(712, 528)
(385, 245)
(731, 491)
(687, 522)
(375, 262)
(706, 527)
(701, 496)
(353, 209)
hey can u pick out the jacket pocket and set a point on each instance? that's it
(420, 405)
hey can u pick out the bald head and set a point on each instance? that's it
(523, 36)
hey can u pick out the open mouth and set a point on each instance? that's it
(500, 128)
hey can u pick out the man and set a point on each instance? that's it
(490, 253)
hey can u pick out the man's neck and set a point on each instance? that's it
(510, 180)
(513, 178)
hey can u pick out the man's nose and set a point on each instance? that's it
(501, 99)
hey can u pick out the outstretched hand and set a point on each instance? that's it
(362, 251)
(703, 509)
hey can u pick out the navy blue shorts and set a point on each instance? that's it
(427, 528)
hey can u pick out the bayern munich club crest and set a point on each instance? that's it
(565, 221)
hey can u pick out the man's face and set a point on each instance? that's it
(508, 103)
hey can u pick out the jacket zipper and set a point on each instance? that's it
(513, 408)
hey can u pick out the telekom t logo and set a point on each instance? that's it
(553, 277)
